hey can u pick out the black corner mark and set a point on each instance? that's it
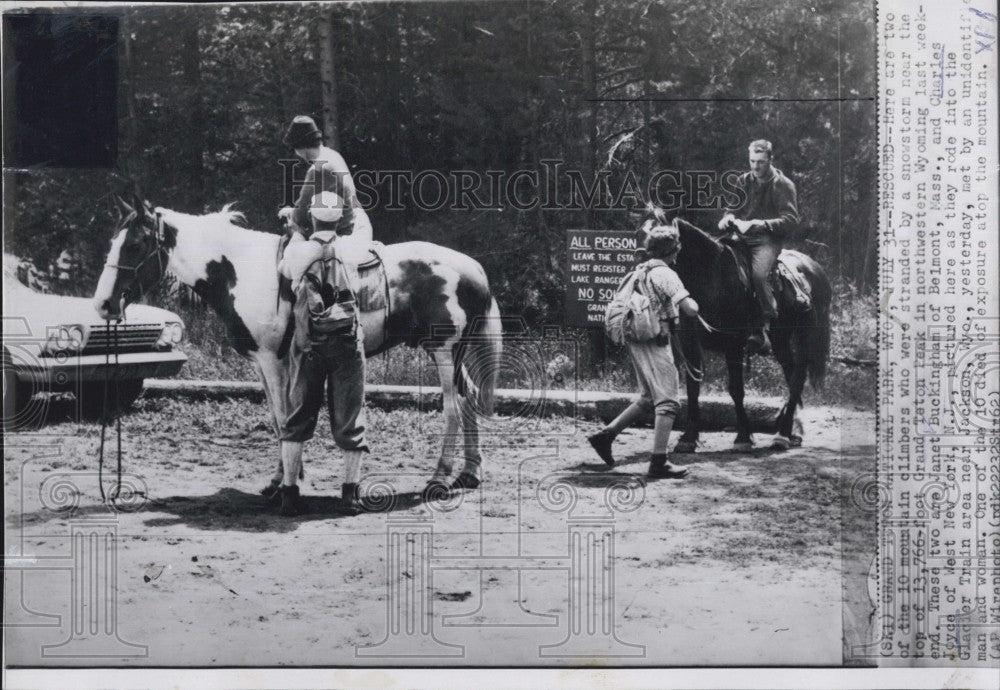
(60, 90)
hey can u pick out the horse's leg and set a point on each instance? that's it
(688, 442)
(781, 343)
(734, 364)
(781, 347)
(273, 377)
(469, 477)
(796, 384)
(446, 372)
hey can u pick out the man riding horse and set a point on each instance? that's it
(767, 215)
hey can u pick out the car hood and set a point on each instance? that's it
(40, 311)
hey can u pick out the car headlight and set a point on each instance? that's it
(65, 339)
(172, 334)
(77, 336)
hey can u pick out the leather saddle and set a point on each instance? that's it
(372, 286)
(790, 286)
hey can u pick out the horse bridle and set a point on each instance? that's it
(158, 251)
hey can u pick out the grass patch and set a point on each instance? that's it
(561, 365)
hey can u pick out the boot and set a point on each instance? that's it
(661, 468)
(291, 502)
(350, 499)
(601, 442)
(272, 492)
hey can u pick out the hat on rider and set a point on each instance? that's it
(303, 132)
(327, 209)
(663, 241)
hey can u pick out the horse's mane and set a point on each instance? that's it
(228, 215)
(690, 233)
(225, 220)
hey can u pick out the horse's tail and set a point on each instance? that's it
(477, 365)
(818, 338)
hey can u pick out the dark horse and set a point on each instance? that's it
(716, 275)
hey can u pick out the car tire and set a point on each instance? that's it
(91, 398)
(12, 402)
(16, 396)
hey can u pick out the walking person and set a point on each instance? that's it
(653, 359)
(766, 217)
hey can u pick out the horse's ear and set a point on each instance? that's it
(123, 207)
(658, 213)
(646, 227)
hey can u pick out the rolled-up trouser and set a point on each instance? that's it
(657, 376)
(763, 253)
(338, 365)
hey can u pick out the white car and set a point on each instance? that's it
(53, 343)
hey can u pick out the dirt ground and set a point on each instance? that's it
(754, 559)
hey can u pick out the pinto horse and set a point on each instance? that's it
(438, 299)
(800, 340)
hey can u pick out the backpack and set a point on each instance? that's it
(630, 315)
(339, 315)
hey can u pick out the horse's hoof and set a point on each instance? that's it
(291, 501)
(436, 490)
(796, 440)
(781, 442)
(742, 446)
(465, 481)
(685, 447)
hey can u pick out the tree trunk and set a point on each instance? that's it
(194, 138)
(392, 102)
(590, 84)
(328, 79)
(130, 163)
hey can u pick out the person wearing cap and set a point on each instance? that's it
(653, 360)
(766, 217)
(328, 172)
(326, 211)
(327, 352)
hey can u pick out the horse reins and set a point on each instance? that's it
(104, 416)
(694, 373)
(113, 331)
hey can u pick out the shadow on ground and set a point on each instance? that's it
(232, 509)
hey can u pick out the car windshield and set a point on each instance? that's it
(10, 281)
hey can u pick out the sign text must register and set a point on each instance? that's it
(598, 260)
